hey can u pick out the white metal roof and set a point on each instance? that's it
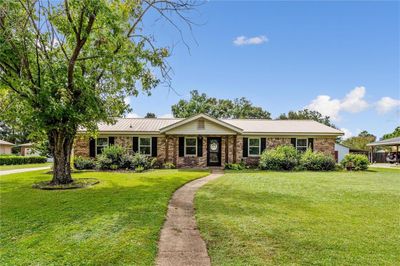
(386, 142)
(3, 142)
(282, 126)
(249, 126)
(138, 124)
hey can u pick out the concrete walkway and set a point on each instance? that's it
(15, 171)
(180, 241)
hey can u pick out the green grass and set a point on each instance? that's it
(302, 218)
(115, 222)
(21, 166)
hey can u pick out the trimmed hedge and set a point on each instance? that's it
(356, 162)
(317, 161)
(281, 158)
(13, 159)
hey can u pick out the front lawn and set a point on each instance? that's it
(22, 166)
(115, 222)
(302, 218)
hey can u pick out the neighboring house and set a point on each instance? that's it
(5, 147)
(28, 150)
(340, 151)
(202, 141)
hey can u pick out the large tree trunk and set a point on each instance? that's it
(61, 148)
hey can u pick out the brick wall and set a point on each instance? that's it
(274, 142)
(325, 145)
(81, 146)
(125, 142)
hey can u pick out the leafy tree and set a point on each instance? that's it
(359, 142)
(218, 108)
(150, 115)
(307, 114)
(394, 134)
(12, 135)
(70, 64)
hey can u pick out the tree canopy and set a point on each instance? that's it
(150, 115)
(71, 63)
(307, 114)
(394, 134)
(359, 142)
(218, 108)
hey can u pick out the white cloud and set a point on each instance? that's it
(326, 106)
(386, 104)
(132, 115)
(353, 102)
(347, 133)
(166, 116)
(243, 40)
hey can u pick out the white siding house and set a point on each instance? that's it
(341, 151)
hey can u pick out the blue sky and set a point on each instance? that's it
(340, 58)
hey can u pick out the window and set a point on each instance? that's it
(191, 146)
(101, 143)
(254, 146)
(301, 145)
(145, 145)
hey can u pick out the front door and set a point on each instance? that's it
(214, 151)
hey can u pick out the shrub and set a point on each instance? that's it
(13, 159)
(235, 166)
(280, 158)
(141, 160)
(81, 163)
(357, 162)
(126, 161)
(316, 161)
(110, 158)
(169, 166)
(139, 169)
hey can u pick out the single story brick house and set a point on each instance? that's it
(203, 141)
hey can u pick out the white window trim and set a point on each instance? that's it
(248, 147)
(302, 146)
(150, 145)
(190, 155)
(108, 143)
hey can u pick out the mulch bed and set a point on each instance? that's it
(77, 183)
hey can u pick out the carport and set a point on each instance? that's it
(393, 142)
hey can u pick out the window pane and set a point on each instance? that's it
(191, 142)
(190, 150)
(254, 150)
(254, 142)
(302, 142)
(301, 149)
(145, 150)
(102, 141)
(144, 141)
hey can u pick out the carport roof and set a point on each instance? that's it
(386, 142)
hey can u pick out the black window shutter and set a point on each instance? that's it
(199, 146)
(263, 144)
(181, 146)
(92, 147)
(110, 140)
(135, 144)
(293, 141)
(311, 143)
(154, 146)
(245, 147)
